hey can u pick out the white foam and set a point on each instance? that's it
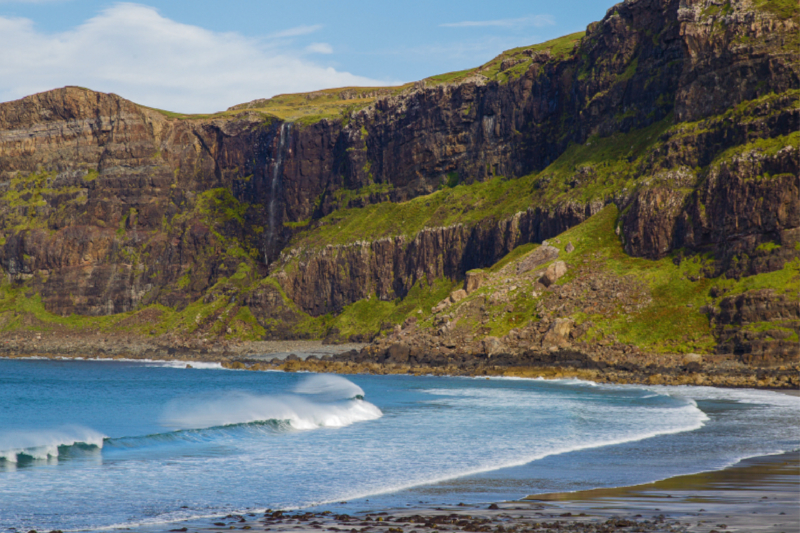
(200, 365)
(44, 444)
(329, 386)
(748, 396)
(319, 405)
(564, 381)
(695, 420)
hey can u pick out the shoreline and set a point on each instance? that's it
(757, 494)
(285, 363)
(314, 356)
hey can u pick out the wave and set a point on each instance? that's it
(317, 401)
(20, 445)
(236, 408)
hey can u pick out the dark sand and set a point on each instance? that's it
(757, 495)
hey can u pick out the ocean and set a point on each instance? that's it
(98, 445)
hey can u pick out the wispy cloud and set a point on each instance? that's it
(134, 51)
(319, 48)
(535, 20)
(296, 31)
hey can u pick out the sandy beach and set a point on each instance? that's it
(759, 494)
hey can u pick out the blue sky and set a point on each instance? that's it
(204, 56)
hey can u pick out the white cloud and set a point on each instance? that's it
(536, 20)
(133, 51)
(297, 31)
(319, 48)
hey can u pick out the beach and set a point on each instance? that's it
(757, 495)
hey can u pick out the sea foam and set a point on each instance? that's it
(318, 401)
(45, 444)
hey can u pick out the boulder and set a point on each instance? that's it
(475, 278)
(569, 248)
(457, 296)
(539, 256)
(397, 353)
(692, 358)
(553, 273)
(441, 306)
(558, 334)
(492, 346)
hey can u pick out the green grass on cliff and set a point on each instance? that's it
(302, 108)
(671, 319)
(25, 200)
(367, 317)
(765, 147)
(338, 104)
(672, 322)
(595, 170)
(559, 49)
(784, 9)
(23, 310)
(607, 159)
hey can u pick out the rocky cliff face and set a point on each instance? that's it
(324, 281)
(644, 60)
(106, 206)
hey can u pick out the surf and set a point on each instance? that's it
(38, 445)
(319, 401)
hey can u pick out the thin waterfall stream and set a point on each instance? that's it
(277, 168)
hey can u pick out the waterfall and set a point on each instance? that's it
(274, 188)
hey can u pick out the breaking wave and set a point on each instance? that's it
(20, 445)
(317, 402)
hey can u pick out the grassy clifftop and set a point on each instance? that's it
(339, 103)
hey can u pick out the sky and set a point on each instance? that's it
(202, 56)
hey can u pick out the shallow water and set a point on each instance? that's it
(95, 444)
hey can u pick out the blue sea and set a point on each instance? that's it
(98, 445)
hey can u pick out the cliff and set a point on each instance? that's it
(344, 210)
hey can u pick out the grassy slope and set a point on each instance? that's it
(616, 162)
(602, 167)
(558, 48)
(670, 322)
(495, 198)
(307, 108)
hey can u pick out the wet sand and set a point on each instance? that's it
(756, 495)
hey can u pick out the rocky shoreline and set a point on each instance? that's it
(602, 366)
(665, 370)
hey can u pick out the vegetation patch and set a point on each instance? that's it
(517, 61)
(367, 317)
(674, 320)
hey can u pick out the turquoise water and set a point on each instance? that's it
(89, 445)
